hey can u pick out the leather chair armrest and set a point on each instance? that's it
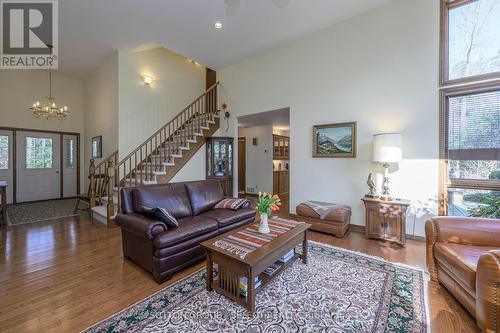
(431, 235)
(463, 230)
(488, 291)
(141, 225)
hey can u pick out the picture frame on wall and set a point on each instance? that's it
(335, 140)
(97, 146)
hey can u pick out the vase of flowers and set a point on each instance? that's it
(267, 204)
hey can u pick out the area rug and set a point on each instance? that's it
(31, 212)
(338, 291)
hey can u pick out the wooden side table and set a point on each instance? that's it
(3, 194)
(386, 219)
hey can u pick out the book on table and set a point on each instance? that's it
(289, 255)
(244, 285)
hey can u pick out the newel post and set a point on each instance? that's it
(111, 205)
(91, 193)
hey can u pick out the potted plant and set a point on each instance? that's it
(267, 204)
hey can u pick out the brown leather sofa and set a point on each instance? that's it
(463, 254)
(164, 251)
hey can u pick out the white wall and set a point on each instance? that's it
(101, 109)
(259, 168)
(19, 89)
(379, 69)
(143, 109)
(194, 169)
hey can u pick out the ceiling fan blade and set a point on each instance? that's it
(281, 4)
(231, 6)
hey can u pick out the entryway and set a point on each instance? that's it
(39, 165)
(264, 154)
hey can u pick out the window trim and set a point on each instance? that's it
(444, 181)
(444, 65)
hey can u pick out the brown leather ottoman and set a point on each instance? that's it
(335, 223)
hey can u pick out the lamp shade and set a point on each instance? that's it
(387, 148)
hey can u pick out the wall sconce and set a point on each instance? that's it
(148, 80)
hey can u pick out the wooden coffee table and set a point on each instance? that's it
(231, 267)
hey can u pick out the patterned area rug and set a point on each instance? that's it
(42, 211)
(338, 291)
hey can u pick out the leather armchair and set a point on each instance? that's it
(463, 254)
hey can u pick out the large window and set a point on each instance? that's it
(38, 153)
(4, 152)
(470, 108)
(471, 41)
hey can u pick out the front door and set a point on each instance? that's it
(38, 166)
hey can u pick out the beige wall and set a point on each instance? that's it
(19, 89)
(101, 109)
(379, 69)
(259, 166)
(143, 109)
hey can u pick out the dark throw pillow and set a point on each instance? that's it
(160, 214)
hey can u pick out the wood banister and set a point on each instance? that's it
(154, 154)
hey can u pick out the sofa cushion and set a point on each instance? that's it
(189, 227)
(461, 261)
(171, 197)
(226, 217)
(204, 195)
(233, 203)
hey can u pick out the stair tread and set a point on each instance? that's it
(103, 211)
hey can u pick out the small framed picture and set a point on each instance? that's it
(97, 146)
(335, 140)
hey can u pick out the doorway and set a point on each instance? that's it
(39, 165)
(242, 165)
(264, 155)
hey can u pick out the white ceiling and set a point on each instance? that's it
(280, 119)
(90, 30)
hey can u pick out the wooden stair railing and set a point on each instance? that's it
(156, 154)
(98, 181)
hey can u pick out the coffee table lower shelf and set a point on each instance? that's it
(228, 283)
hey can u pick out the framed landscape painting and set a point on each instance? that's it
(334, 140)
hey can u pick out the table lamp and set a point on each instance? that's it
(386, 150)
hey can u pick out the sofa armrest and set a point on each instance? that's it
(463, 230)
(488, 291)
(140, 225)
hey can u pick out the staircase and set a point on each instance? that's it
(158, 159)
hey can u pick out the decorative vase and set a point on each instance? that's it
(263, 226)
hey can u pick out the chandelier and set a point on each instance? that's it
(49, 108)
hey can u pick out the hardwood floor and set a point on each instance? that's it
(64, 275)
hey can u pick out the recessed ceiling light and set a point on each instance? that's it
(218, 25)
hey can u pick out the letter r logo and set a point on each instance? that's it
(27, 27)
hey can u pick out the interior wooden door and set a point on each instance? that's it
(242, 161)
(38, 166)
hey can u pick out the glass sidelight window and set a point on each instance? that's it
(4, 152)
(70, 153)
(39, 153)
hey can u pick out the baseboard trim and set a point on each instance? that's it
(361, 229)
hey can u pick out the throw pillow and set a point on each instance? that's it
(233, 204)
(161, 214)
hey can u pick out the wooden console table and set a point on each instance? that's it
(386, 219)
(3, 194)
